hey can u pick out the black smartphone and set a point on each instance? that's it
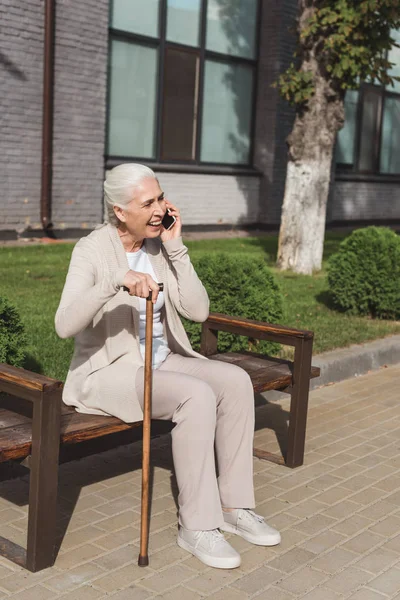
(168, 220)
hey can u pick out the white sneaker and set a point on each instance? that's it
(251, 527)
(210, 547)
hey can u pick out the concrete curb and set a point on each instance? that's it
(356, 360)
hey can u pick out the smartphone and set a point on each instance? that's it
(168, 220)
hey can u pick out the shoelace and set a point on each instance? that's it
(214, 536)
(258, 518)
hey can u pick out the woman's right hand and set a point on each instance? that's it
(140, 284)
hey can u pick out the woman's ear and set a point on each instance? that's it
(119, 213)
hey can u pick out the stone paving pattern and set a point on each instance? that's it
(339, 514)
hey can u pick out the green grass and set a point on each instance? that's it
(33, 277)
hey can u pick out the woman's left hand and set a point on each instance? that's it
(176, 229)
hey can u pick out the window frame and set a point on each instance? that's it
(353, 171)
(161, 44)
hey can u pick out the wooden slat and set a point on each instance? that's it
(251, 328)
(266, 373)
(27, 379)
(16, 442)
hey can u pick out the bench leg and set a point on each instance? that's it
(43, 481)
(299, 403)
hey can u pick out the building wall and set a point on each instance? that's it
(21, 50)
(274, 117)
(213, 199)
(361, 200)
(79, 112)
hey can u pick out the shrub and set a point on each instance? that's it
(364, 275)
(12, 336)
(240, 286)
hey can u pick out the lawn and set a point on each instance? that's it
(32, 278)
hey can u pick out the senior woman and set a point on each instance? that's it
(211, 403)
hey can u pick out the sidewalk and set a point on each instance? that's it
(339, 515)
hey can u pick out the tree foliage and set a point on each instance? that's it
(239, 285)
(364, 275)
(347, 39)
(12, 335)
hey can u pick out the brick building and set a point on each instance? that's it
(185, 87)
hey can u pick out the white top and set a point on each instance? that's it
(139, 261)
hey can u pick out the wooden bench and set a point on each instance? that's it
(34, 422)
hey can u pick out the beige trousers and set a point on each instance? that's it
(212, 406)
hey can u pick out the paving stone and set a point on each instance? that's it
(302, 581)
(314, 524)
(387, 526)
(73, 578)
(34, 593)
(366, 594)
(363, 542)
(133, 592)
(122, 578)
(181, 593)
(85, 592)
(321, 593)
(167, 578)
(333, 495)
(388, 582)
(117, 558)
(378, 510)
(348, 580)
(273, 593)
(307, 508)
(213, 579)
(78, 556)
(115, 539)
(257, 580)
(368, 495)
(292, 560)
(334, 561)
(378, 560)
(394, 544)
(341, 509)
(352, 525)
(323, 541)
(229, 593)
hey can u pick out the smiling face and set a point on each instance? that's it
(142, 217)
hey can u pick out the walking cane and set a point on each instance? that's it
(143, 559)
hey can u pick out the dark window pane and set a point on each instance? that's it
(183, 21)
(137, 16)
(369, 129)
(132, 98)
(180, 105)
(390, 148)
(231, 27)
(227, 109)
(394, 57)
(347, 135)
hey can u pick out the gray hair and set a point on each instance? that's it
(120, 185)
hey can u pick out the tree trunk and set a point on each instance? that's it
(302, 231)
(311, 144)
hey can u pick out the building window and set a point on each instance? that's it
(370, 139)
(182, 79)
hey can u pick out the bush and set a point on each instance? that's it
(240, 286)
(12, 336)
(364, 275)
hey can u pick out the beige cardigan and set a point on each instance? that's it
(104, 319)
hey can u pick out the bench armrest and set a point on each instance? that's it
(255, 329)
(25, 384)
